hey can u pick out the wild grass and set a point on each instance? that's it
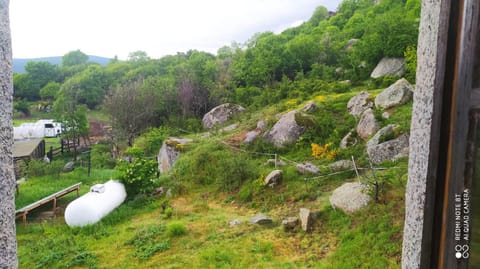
(213, 184)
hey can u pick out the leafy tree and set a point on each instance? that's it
(90, 85)
(320, 14)
(138, 56)
(22, 106)
(49, 91)
(73, 58)
(37, 75)
(72, 115)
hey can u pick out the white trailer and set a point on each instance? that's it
(39, 129)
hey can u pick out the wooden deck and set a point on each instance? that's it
(22, 212)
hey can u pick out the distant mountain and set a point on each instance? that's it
(19, 64)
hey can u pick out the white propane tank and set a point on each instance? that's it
(96, 204)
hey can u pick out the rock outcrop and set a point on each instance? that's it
(169, 152)
(367, 125)
(350, 197)
(359, 103)
(221, 114)
(285, 131)
(397, 94)
(390, 67)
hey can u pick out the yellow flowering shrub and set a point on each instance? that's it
(319, 151)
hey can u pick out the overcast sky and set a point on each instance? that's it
(117, 27)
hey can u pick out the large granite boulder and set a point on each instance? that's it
(169, 152)
(359, 103)
(390, 150)
(285, 131)
(389, 67)
(397, 94)
(221, 114)
(350, 197)
(367, 125)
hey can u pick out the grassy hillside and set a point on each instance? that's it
(217, 180)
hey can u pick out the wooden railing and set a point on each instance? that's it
(22, 212)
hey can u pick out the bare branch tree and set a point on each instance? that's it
(132, 109)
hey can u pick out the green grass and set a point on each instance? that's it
(214, 184)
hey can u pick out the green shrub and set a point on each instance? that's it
(152, 139)
(212, 163)
(101, 156)
(37, 168)
(140, 175)
(176, 229)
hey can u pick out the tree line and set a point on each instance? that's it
(179, 89)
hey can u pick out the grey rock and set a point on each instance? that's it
(169, 193)
(359, 103)
(285, 131)
(350, 43)
(341, 165)
(251, 136)
(386, 131)
(234, 222)
(307, 168)
(69, 167)
(390, 67)
(290, 223)
(274, 178)
(159, 191)
(367, 125)
(221, 114)
(230, 127)
(262, 125)
(386, 114)
(350, 197)
(261, 219)
(306, 219)
(389, 150)
(169, 152)
(349, 140)
(395, 95)
(310, 107)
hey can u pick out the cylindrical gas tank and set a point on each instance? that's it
(96, 204)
